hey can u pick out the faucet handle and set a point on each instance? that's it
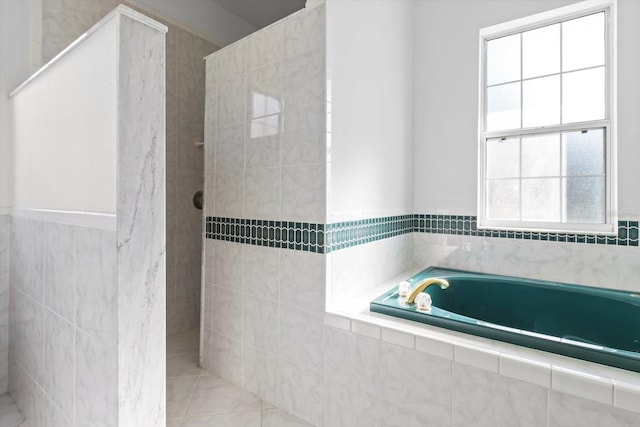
(404, 288)
(423, 302)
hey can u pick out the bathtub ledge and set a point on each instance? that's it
(599, 383)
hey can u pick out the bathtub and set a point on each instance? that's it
(598, 325)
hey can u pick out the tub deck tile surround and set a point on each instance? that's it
(588, 382)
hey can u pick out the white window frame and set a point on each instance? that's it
(573, 11)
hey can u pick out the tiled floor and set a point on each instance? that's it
(196, 398)
(10, 415)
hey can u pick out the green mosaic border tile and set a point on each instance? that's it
(352, 233)
(300, 236)
(467, 226)
(326, 238)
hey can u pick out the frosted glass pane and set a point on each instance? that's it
(584, 199)
(583, 153)
(583, 95)
(503, 107)
(541, 199)
(541, 51)
(503, 158)
(503, 199)
(503, 60)
(541, 101)
(583, 42)
(541, 155)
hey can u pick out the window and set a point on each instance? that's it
(546, 126)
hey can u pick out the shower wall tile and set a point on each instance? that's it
(229, 192)
(262, 193)
(230, 62)
(303, 195)
(96, 292)
(52, 355)
(262, 151)
(302, 280)
(305, 77)
(226, 357)
(303, 136)
(59, 363)
(265, 47)
(305, 33)
(26, 336)
(227, 265)
(260, 373)
(26, 258)
(279, 352)
(53, 417)
(230, 106)
(96, 382)
(229, 148)
(260, 323)
(262, 272)
(227, 312)
(59, 270)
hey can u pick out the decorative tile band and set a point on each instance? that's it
(300, 236)
(467, 226)
(321, 238)
(352, 233)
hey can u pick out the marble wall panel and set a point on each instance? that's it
(141, 245)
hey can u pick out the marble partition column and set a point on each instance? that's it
(87, 297)
(141, 245)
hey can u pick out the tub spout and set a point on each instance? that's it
(424, 285)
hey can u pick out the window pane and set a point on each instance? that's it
(583, 153)
(503, 199)
(541, 155)
(584, 199)
(503, 60)
(503, 158)
(541, 51)
(583, 95)
(541, 103)
(503, 107)
(583, 42)
(541, 199)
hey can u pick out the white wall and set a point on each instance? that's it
(206, 17)
(15, 67)
(446, 96)
(64, 142)
(369, 67)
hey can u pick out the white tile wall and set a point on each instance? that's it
(68, 362)
(270, 311)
